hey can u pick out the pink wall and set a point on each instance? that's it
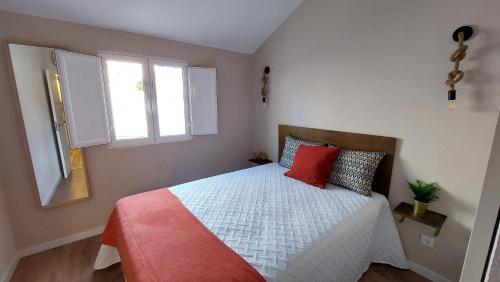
(118, 172)
(378, 67)
(7, 244)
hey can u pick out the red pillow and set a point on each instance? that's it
(313, 164)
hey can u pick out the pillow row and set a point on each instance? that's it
(353, 170)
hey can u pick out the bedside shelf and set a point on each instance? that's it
(430, 218)
(260, 162)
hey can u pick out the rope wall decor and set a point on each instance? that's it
(265, 80)
(454, 76)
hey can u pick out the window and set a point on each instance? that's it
(147, 99)
(171, 99)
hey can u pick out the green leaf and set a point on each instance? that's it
(424, 192)
(140, 86)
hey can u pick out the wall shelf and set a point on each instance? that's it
(430, 218)
(260, 162)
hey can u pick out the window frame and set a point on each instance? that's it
(187, 121)
(150, 96)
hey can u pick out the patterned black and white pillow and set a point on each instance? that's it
(354, 170)
(290, 148)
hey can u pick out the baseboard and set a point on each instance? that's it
(10, 269)
(59, 242)
(427, 273)
(47, 246)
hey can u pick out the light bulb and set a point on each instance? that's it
(452, 97)
(452, 104)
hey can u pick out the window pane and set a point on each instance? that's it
(170, 100)
(127, 99)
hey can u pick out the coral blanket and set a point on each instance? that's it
(159, 239)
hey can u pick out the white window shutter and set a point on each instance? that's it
(84, 99)
(203, 101)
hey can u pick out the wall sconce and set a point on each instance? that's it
(460, 35)
(265, 80)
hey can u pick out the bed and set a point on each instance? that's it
(276, 228)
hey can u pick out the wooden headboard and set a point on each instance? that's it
(352, 141)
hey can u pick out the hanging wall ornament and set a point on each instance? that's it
(454, 76)
(265, 80)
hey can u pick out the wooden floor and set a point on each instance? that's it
(74, 262)
(75, 187)
(71, 189)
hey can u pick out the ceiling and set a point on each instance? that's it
(237, 25)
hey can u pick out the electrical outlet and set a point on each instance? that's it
(427, 241)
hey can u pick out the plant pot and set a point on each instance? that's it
(419, 208)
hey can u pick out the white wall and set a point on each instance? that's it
(379, 67)
(7, 245)
(485, 217)
(29, 64)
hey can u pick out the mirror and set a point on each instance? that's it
(60, 171)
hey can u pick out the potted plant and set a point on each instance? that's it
(425, 193)
(260, 155)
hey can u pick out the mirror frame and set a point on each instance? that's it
(24, 136)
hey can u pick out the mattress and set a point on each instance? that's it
(291, 231)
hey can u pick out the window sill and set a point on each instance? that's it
(140, 143)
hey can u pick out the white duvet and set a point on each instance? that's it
(291, 231)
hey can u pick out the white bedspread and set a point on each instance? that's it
(291, 231)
